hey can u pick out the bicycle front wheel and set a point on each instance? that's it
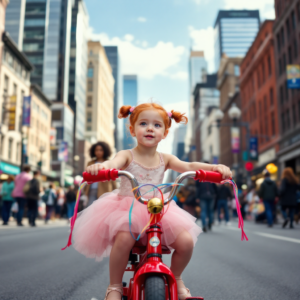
(155, 288)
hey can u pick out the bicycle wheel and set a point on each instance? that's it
(155, 288)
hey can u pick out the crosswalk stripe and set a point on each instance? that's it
(278, 237)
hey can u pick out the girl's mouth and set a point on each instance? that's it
(149, 137)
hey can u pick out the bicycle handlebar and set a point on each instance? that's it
(113, 174)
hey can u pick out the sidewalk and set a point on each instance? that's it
(39, 223)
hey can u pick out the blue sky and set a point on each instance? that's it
(155, 37)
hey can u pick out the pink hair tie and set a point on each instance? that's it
(169, 114)
(131, 109)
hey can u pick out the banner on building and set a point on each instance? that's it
(235, 139)
(12, 112)
(52, 137)
(293, 76)
(63, 151)
(26, 111)
(253, 148)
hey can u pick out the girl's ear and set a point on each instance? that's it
(131, 129)
(166, 133)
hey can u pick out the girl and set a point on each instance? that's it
(103, 228)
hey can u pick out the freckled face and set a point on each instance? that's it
(149, 128)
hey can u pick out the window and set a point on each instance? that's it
(290, 55)
(263, 72)
(282, 36)
(288, 30)
(293, 20)
(294, 116)
(10, 148)
(88, 128)
(18, 152)
(6, 84)
(89, 101)
(271, 96)
(298, 12)
(295, 49)
(90, 86)
(284, 63)
(60, 133)
(236, 70)
(258, 79)
(90, 73)
(2, 139)
(273, 123)
(283, 122)
(280, 67)
(265, 103)
(56, 115)
(15, 90)
(278, 42)
(89, 117)
(281, 95)
(266, 127)
(269, 66)
(288, 119)
(286, 93)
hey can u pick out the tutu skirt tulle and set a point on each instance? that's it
(96, 226)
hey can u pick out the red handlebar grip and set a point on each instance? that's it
(208, 176)
(103, 175)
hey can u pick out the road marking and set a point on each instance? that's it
(278, 237)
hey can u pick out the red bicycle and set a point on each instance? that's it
(152, 279)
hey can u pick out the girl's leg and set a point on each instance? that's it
(119, 259)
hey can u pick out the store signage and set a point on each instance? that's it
(26, 111)
(12, 112)
(9, 169)
(253, 146)
(235, 139)
(293, 76)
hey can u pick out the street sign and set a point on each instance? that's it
(235, 139)
(253, 146)
(293, 76)
(63, 151)
(26, 111)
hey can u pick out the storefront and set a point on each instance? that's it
(8, 169)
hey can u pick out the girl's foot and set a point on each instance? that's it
(114, 292)
(183, 292)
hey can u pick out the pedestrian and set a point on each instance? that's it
(268, 192)
(99, 153)
(32, 196)
(18, 192)
(190, 202)
(223, 196)
(50, 199)
(288, 195)
(206, 193)
(7, 198)
(71, 200)
(60, 202)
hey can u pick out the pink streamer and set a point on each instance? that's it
(73, 219)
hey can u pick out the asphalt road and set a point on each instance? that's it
(33, 267)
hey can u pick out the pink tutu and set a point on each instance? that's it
(96, 226)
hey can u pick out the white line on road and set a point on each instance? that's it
(278, 237)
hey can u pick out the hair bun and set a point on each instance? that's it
(124, 111)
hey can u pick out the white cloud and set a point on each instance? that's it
(203, 40)
(266, 7)
(145, 62)
(141, 19)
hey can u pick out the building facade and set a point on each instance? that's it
(259, 97)
(205, 95)
(286, 31)
(14, 85)
(130, 97)
(3, 6)
(234, 32)
(114, 60)
(100, 97)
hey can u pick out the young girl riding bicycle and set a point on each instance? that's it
(103, 228)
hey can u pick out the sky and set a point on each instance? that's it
(155, 38)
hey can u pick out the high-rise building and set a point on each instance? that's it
(99, 123)
(234, 32)
(78, 66)
(130, 97)
(3, 7)
(114, 60)
(14, 21)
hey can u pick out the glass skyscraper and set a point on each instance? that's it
(114, 60)
(130, 97)
(234, 32)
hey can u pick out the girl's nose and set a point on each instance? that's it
(150, 128)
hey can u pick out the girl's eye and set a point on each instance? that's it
(157, 125)
(143, 123)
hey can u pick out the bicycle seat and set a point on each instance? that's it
(140, 248)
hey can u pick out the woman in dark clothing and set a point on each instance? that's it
(223, 195)
(288, 195)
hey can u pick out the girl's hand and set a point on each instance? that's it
(95, 168)
(222, 169)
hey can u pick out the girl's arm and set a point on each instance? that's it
(172, 162)
(121, 159)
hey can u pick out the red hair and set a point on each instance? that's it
(178, 117)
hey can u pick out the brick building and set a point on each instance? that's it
(286, 32)
(258, 93)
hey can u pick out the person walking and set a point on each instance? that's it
(99, 152)
(7, 198)
(50, 199)
(288, 195)
(268, 191)
(223, 196)
(71, 200)
(18, 192)
(32, 196)
(206, 193)
(60, 202)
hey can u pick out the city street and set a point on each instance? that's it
(223, 267)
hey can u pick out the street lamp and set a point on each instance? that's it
(41, 150)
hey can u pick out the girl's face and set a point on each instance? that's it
(149, 129)
(99, 152)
